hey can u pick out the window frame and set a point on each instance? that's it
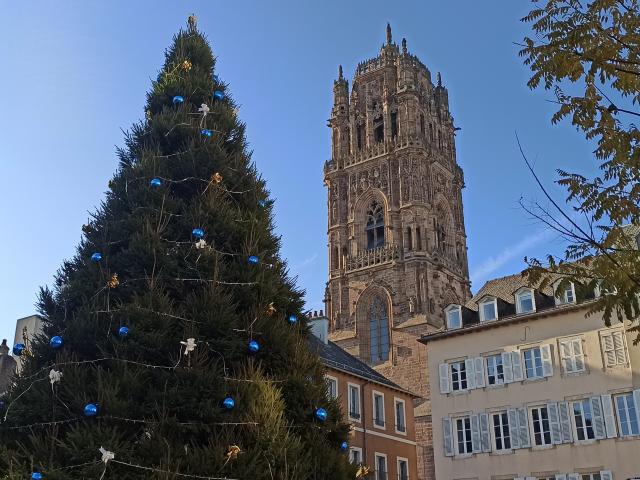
(486, 301)
(629, 409)
(494, 438)
(355, 449)
(331, 379)
(467, 441)
(349, 410)
(397, 401)
(375, 226)
(537, 367)
(460, 380)
(585, 427)
(520, 293)
(377, 455)
(381, 344)
(564, 300)
(487, 367)
(572, 356)
(406, 462)
(450, 309)
(543, 432)
(374, 418)
(625, 348)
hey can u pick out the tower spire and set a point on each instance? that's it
(340, 77)
(388, 34)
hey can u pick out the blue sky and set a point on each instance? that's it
(75, 74)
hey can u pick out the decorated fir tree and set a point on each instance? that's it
(174, 345)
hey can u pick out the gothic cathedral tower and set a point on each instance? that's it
(397, 242)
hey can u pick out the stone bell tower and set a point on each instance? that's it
(397, 242)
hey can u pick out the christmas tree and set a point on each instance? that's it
(174, 344)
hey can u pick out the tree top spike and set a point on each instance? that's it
(388, 33)
(192, 21)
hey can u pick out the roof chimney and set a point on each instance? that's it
(4, 349)
(320, 327)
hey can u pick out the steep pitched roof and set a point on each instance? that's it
(504, 288)
(332, 356)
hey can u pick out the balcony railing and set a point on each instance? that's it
(375, 256)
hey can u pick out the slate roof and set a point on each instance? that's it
(504, 288)
(332, 356)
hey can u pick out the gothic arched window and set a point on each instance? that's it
(375, 226)
(379, 331)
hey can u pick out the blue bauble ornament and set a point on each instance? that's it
(36, 476)
(229, 403)
(56, 342)
(292, 319)
(344, 446)
(178, 99)
(216, 78)
(253, 346)
(262, 203)
(18, 348)
(197, 232)
(90, 410)
(253, 260)
(155, 182)
(123, 331)
(218, 95)
(96, 257)
(206, 132)
(321, 414)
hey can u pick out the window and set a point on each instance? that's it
(394, 124)
(488, 310)
(378, 409)
(501, 436)
(407, 238)
(525, 301)
(381, 466)
(533, 363)
(565, 295)
(379, 324)
(463, 435)
(355, 455)
(583, 420)
(401, 424)
(332, 386)
(354, 402)
(628, 422)
(572, 355)
(403, 469)
(359, 136)
(454, 316)
(495, 370)
(378, 129)
(540, 424)
(590, 476)
(422, 124)
(613, 348)
(375, 226)
(458, 376)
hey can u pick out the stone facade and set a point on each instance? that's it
(397, 242)
(7, 367)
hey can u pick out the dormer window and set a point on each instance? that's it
(488, 309)
(454, 316)
(567, 295)
(525, 301)
(601, 290)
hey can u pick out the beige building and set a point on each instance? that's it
(397, 242)
(379, 411)
(526, 386)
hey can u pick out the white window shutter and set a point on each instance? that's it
(636, 401)
(609, 416)
(598, 418)
(523, 427)
(606, 475)
(485, 436)
(443, 370)
(618, 344)
(566, 356)
(507, 368)
(608, 351)
(547, 360)
(565, 422)
(516, 362)
(514, 432)
(561, 476)
(554, 423)
(530, 478)
(447, 436)
(578, 354)
(475, 434)
(479, 369)
(470, 372)
(573, 476)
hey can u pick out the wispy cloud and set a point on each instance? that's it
(493, 263)
(297, 268)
